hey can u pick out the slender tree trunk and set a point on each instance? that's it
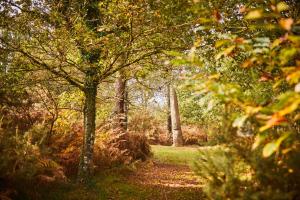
(120, 107)
(126, 108)
(86, 158)
(176, 126)
(169, 119)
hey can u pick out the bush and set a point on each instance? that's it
(244, 174)
(111, 148)
(193, 135)
(151, 127)
(66, 148)
(117, 148)
(222, 173)
(22, 163)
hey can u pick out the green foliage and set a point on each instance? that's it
(252, 77)
(18, 156)
(224, 174)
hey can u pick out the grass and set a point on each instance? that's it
(111, 184)
(175, 155)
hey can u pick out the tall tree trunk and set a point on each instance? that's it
(169, 119)
(126, 108)
(86, 158)
(120, 107)
(176, 126)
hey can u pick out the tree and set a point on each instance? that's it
(176, 126)
(121, 102)
(169, 118)
(84, 43)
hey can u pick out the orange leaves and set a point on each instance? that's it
(242, 9)
(249, 62)
(292, 74)
(217, 16)
(287, 104)
(266, 77)
(286, 23)
(225, 52)
(239, 40)
(276, 119)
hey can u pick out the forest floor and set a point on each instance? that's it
(167, 176)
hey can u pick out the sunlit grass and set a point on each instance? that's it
(175, 155)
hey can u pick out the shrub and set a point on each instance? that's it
(149, 126)
(222, 173)
(121, 148)
(193, 135)
(244, 174)
(22, 163)
(112, 147)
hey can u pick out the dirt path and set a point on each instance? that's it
(167, 181)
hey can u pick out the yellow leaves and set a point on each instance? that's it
(287, 104)
(269, 149)
(276, 119)
(295, 39)
(273, 146)
(292, 73)
(287, 54)
(276, 43)
(252, 110)
(290, 107)
(197, 42)
(282, 6)
(249, 62)
(225, 52)
(214, 76)
(286, 23)
(220, 43)
(254, 14)
(258, 140)
(230, 46)
(293, 77)
(203, 20)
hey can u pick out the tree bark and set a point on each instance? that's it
(120, 107)
(86, 158)
(169, 119)
(176, 126)
(126, 108)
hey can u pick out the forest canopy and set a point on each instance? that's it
(88, 87)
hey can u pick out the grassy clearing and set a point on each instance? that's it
(175, 155)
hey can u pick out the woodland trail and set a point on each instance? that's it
(167, 176)
(167, 181)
